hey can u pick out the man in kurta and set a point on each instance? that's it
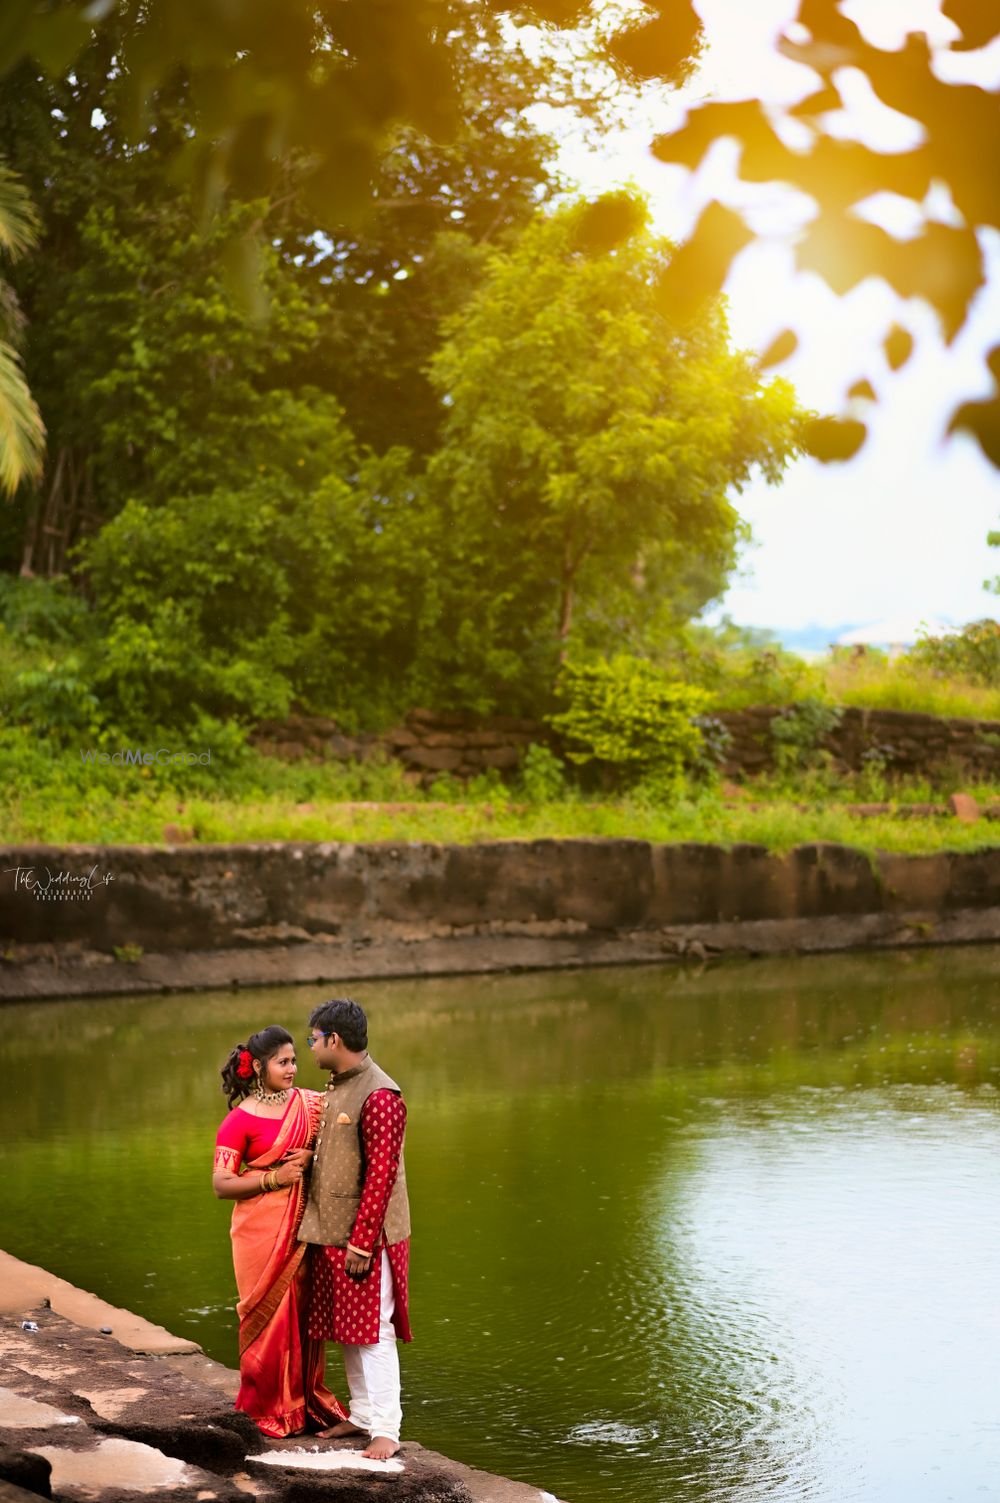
(358, 1218)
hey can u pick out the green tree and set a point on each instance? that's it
(22, 432)
(152, 381)
(245, 602)
(384, 284)
(155, 384)
(151, 377)
(590, 450)
(330, 79)
(324, 80)
(326, 85)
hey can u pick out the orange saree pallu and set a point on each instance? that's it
(281, 1366)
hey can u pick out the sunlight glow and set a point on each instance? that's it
(810, 565)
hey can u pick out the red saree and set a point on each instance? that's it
(281, 1366)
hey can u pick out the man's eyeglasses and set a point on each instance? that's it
(316, 1038)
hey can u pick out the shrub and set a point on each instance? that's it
(55, 695)
(798, 734)
(627, 714)
(972, 653)
(543, 775)
(40, 612)
(48, 644)
(243, 602)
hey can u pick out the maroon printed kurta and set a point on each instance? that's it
(345, 1308)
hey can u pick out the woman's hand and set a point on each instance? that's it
(293, 1166)
(302, 1156)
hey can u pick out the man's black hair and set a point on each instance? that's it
(344, 1017)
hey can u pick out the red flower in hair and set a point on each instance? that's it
(245, 1067)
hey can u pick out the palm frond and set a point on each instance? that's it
(22, 432)
(18, 218)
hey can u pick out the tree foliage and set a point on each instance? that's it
(386, 282)
(326, 82)
(22, 432)
(803, 145)
(323, 80)
(326, 85)
(253, 533)
(579, 484)
(588, 455)
(151, 376)
(243, 602)
(972, 654)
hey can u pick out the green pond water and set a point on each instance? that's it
(678, 1237)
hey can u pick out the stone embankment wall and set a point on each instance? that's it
(218, 915)
(428, 744)
(900, 740)
(431, 743)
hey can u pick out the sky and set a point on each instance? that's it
(899, 533)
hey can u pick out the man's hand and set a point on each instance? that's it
(357, 1264)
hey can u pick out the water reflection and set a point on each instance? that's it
(728, 1236)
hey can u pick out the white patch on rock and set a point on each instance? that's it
(20, 1413)
(114, 1463)
(110, 1403)
(327, 1461)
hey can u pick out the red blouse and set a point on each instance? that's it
(243, 1138)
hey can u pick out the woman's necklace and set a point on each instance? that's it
(269, 1098)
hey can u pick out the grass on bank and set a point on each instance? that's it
(49, 795)
(779, 826)
(868, 683)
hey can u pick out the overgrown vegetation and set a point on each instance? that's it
(54, 798)
(463, 443)
(640, 749)
(466, 449)
(648, 736)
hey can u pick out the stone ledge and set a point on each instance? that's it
(73, 973)
(24, 1288)
(85, 1418)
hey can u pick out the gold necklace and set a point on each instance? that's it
(268, 1098)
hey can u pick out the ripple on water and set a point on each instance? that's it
(612, 1432)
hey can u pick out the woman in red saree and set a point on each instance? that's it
(262, 1151)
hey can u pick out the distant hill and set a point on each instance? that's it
(895, 632)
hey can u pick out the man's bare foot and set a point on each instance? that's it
(340, 1430)
(381, 1448)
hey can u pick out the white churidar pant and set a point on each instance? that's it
(373, 1371)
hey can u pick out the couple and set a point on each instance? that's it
(320, 1256)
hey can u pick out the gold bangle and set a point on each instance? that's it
(360, 1251)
